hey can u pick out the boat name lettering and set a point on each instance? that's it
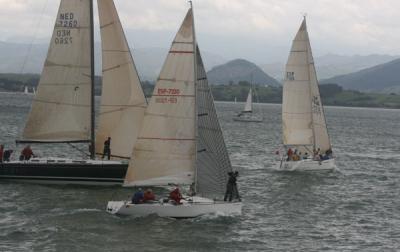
(168, 91)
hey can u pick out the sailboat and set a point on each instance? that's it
(247, 114)
(181, 141)
(305, 135)
(26, 90)
(63, 109)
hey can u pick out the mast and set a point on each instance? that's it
(309, 82)
(195, 95)
(92, 110)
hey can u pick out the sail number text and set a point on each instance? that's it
(167, 92)
(65, 20)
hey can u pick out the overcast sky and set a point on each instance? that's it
(257, 30)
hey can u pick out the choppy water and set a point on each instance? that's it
(357, 209)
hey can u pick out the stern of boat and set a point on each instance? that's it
(113, 207)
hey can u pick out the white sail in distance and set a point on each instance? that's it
(122, 102)
(61, 108)
(165, 151)
(303, 119)
(248, 107)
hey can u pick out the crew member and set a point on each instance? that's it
(149, 196)
(1, 153)
(231, 187)
(107, 149)
(7, 155)
(138, 197)
(176, 196)
(26, 153)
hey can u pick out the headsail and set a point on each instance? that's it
(249, 102)
(166, 147)
(213, 162)
(302, 112)
(122, 102)
(61, 108)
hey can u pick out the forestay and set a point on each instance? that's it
(249, 102)
(166, 147)
(302, 112)
(213, 162)
(122, 102)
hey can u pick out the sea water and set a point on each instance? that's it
(354, 209)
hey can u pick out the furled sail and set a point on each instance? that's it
(61, 108)
(249, 102)
(122, 102)
(213, 162)
(166, 147)
(302, 111)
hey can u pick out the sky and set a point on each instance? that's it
(257, 30)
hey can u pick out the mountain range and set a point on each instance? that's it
(331, 65)
(24, 58)
(373, 73)
(381, 78)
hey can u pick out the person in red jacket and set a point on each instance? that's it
(148, 196)
(176, 196)
(289, 154)
(1, 153)
(26, 153)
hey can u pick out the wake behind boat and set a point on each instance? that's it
(306, 141)
(181, 141)
(63, 108)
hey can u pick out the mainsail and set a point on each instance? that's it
(61, 108)
(249, 102)
(213, 162)
(303, 117)
(165, 150)
(122, 102)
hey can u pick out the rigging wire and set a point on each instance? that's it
(30, 45)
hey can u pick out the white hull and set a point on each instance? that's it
(191, 208)
(307, 165)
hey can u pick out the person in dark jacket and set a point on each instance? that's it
(1, 153)
(7, 155)
(231, 187)
(107, 149)
(138, 197)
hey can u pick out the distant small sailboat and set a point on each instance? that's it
(235, 99)
(26, 90)
(305, 135)
(181, 141)
(247, 114)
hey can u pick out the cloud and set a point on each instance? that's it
(253, 29)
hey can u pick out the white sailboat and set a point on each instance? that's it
(181, 141)
(247, 114)
(63, 108)
(26, 91)
(305, 135)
